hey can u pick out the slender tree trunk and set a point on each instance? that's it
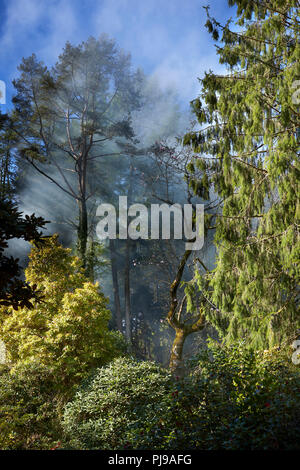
(114, 272)
(82, 231)
(127, 268)
(127, 292)
(83, 216)
(90, 260)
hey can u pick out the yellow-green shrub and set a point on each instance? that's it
(68, 330)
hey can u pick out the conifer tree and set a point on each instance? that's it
(73, 115)
(248, 150)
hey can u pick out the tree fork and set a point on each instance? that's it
(182, 330)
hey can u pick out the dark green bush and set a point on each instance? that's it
(250, 399)
(29, 404)
(234, 398)
(113, 401)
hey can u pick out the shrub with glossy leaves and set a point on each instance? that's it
(29, 408)
(234, 398)
(250, 399)
(113, 402)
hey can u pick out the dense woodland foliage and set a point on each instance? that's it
(143, 344)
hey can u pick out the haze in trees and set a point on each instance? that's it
(66, 116)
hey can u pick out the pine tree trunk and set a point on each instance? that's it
(90, 260)
(127, 268)
(127, 292)
(115, 280)
(82, 231)
(83, 215)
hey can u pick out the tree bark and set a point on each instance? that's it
(176, 361)
(182, 329)
(82, 181)
(114, 272)
(127, 291)
(128, 332)
(82, 231)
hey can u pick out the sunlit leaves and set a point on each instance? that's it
(68, 330)
(249, 147)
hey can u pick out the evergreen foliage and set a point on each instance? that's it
(116, 398)
(233, 399)
(68, 330)
(248, 150)
(29, 408)
(13, 290)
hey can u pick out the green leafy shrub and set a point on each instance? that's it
(234, 398)
(250, 399)
(107, 408)
(68, 331)
(29, 408)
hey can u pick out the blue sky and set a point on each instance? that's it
(166, 38)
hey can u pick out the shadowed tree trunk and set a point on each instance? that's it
(128, 331)
(114, 272)
(82, 231)
(127, 292)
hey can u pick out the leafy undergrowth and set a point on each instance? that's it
(233, 398)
